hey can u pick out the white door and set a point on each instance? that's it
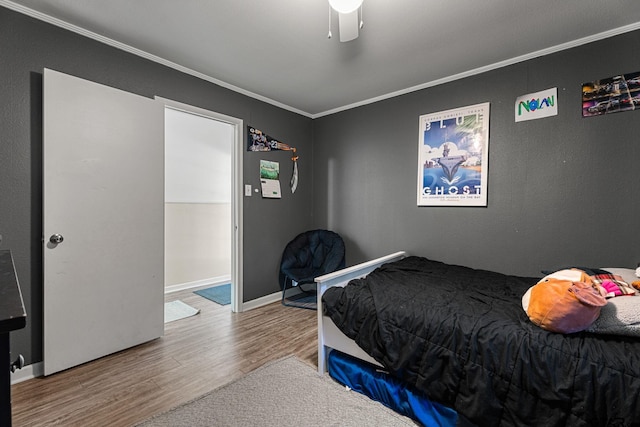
(103, 172)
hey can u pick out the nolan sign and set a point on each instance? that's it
(537, 105)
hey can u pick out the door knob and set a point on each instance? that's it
(56, 238)
(18, 364)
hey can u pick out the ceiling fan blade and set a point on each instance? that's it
(348, 24)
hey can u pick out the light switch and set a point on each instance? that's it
(247, 190)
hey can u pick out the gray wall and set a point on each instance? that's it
(27, 46)
(562, 190)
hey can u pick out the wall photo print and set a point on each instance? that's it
(453, 152)
(611, 95)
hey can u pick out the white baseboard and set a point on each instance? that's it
(213, 281)
(28, 372)
(37, 369)
(249, 305)
(259, 302)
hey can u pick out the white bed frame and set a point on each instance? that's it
(329, 336)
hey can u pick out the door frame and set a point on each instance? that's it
(236, 193)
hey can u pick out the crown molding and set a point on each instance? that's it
(141, 53)
(490, 67)
(78, 30)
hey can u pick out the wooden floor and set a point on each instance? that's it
(196, 355)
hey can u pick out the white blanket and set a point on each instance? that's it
(621, 316)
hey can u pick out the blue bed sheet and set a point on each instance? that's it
(369, 380)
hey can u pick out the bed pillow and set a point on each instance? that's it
(566, 301)
(589, 270)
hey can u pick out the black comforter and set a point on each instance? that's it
(461, 336)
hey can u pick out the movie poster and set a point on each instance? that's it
(453, 151)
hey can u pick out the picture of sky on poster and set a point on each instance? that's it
(452, 153)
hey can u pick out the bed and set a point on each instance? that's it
(460, 337)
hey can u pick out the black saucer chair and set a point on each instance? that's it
(309, 255)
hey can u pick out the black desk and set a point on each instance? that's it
(12, 317)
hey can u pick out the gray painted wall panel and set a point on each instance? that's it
(562, 190)
(27, 46)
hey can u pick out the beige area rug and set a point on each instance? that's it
(286, 392)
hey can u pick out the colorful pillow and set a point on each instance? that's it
(613, 284)
(628, 274)
(566, 301)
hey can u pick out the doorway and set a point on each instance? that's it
(202, 207)
(103, 197)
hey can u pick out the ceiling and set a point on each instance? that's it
(278, 50)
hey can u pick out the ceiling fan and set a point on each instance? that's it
(348, 22)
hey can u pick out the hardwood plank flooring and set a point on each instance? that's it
(196, 355)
